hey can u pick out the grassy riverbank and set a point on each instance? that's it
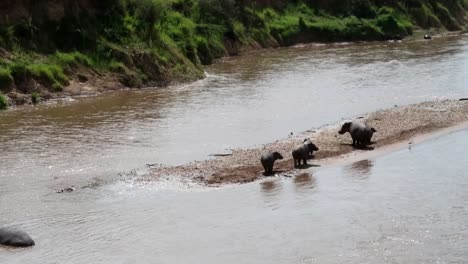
(60, 47)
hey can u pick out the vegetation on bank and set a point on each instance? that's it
(154, 42)
(3, 102)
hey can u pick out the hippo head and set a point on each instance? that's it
(312, 147)
(373, 130)
(277, 155)
(345, 128)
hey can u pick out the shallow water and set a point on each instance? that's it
(393, 209)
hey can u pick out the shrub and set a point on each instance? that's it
(390, 26)
(34, 97)
(57, 87)
(149, 13)
(421, 15)
(6, 80)
(3, 102)
(446, 17)
(239, 31)
(18, 69)
(209, 42)
(363, 9)
(287, 27)
(117, 67)
(359, 29)
(385, 10)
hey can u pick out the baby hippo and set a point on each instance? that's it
(268, 159)
(303, 152)
(15, 238)
(361, 134)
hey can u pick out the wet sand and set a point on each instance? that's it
(395, 126)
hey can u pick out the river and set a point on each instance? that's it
(393, 209)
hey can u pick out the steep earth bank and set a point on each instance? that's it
(51, 48)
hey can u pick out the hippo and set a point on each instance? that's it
(427, 37)
(15, 238)
(303, 152)
(361, 134)
(268, 159)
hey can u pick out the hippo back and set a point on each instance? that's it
(15, 238)
(300, 151)
(266, 157)
(356, 128)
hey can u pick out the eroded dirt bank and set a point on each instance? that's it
(394, 125)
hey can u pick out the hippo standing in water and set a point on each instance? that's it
(15, 238)
(361, 134)
(303, 152)
(268, 160)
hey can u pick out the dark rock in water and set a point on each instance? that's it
(68, 189)
(397, 37)
(221, 154)
(463, 99)
(427, 37)
(15, 238)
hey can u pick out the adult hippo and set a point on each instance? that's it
(15, 238)
(303, 152)
(361, 134)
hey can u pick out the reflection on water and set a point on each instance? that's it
(304, 182)
(269, 186)
(271, 191)
(360, 169)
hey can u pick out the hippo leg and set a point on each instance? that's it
(270, 169)
(305, 161)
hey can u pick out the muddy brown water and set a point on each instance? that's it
(407, 207)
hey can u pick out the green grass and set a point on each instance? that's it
(72, 59)
(285, 28)
(35, 98)
(53, 74)
(50, 75)
(3, 102)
